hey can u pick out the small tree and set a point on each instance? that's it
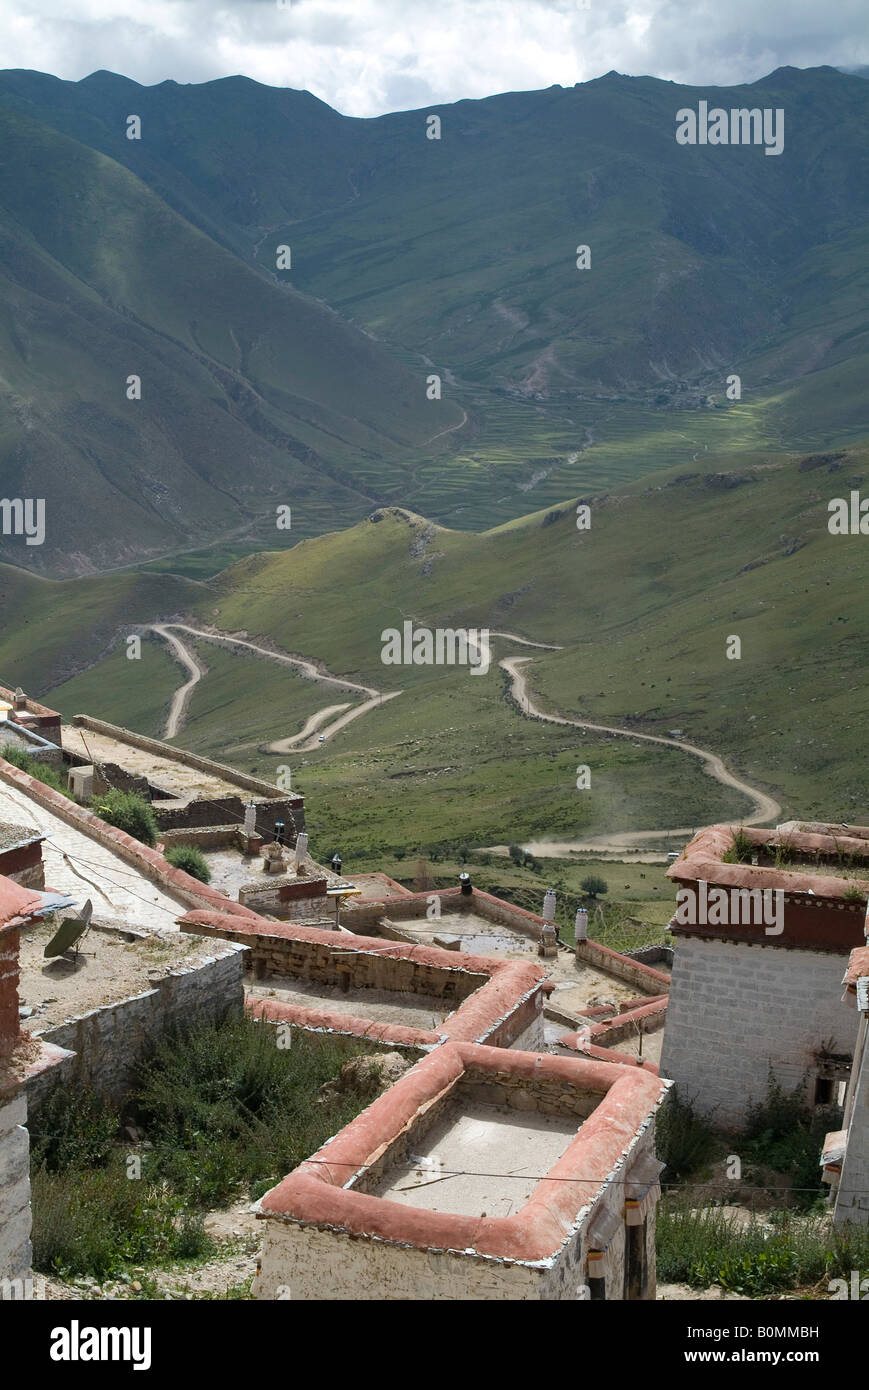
(515, 854)
(593, 886)
(129, 812)
(191, 860)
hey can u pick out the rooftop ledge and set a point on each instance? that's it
(504, 985)
(703, 860)
(324, 1190)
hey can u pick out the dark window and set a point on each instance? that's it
(636, 1271)
(825, 1090)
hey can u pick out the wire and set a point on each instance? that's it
(525, 1177)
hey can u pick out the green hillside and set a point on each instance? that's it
(252, 395)
(455, 256)
(642, 606)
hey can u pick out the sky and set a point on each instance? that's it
(366, 57)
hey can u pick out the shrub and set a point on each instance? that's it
(129, 812)
(43, 772)
(97, 1220)
(741, 849)
(782, 1133)
(191, 859)
(72, 1129)
(683, 1139)
(225, 1107)
(594, 886)
(700, 1248)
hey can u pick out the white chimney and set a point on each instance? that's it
(549, 905)
(581, 925)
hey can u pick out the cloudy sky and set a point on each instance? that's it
(365, 57)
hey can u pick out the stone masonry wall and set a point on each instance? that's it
(309, 1263)
(852, 1198)
(15, 1221)
(736, 1010)
(333, 965)
(108, 1041)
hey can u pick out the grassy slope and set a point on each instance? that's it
(252, 394)
(642, 605)
(705, 261)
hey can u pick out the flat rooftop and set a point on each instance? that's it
(109, 967)
(178, 779)
(578, 985)
(828, 861)
(821, 877)
(400, 993)
(479, 1160)
(539, 1134)
(82, 867)
(381, 1005)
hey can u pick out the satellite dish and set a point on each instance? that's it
(70, 933)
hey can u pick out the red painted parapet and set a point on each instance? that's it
(326, 1021)
(505, 1003)
(149, 861)
(18, 907)
(579, 1043)
(819, 912)
(317, 1192)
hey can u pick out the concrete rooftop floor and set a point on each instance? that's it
(578, 985)
(84, 868)
(106, 970)
(174, 777)
(497, 1157)
(381, 1005)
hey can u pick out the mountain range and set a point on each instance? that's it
(410, 258)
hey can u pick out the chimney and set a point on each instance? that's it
(465, 881)
(549, 905)
(580, 929)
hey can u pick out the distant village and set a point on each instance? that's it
(512, 1154)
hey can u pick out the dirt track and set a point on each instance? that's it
(322, 724)
(309, 737)
(766, 809)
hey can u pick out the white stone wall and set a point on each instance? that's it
(107, 1042)
(736, 1010)
(532, 1038)
(15, 1252)
(852, 1197)
(310, 1264)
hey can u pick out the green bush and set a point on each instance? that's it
(98, 1220)
(782, 1133)
(226, 1108)
(191, 859)
(43, 772)
(129, 812)
(741, 850)
(594, 886)
(684, 1141)
(700, 1248)
(72, 1129)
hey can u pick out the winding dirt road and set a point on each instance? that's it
(181, 697)
(327, 722)
(765, 808)
(315, 727)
